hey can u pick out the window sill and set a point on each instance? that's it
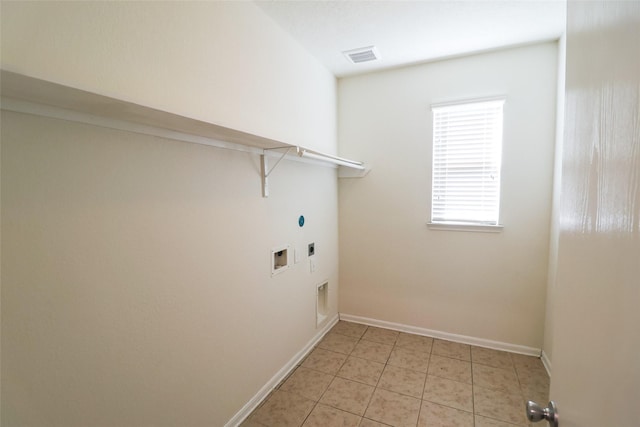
(447, 226)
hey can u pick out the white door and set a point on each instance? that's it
(596, 340)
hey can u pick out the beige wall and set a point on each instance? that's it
(136, 286)
(392, 267)
(222, 62)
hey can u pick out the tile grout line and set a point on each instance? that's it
(345, 361)
(320, 398)
(323, 393)
(375, 388)
(488, 362)
(473, 389)
(332, 380)
(424, 385)
(503, 390)
(361, 338)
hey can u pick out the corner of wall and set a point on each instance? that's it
(547, 348)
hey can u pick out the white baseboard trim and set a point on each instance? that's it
(279, 376)
(546, 362)
(464, 339)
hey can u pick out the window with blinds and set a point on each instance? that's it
(467, 149)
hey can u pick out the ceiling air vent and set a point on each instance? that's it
(363, 54)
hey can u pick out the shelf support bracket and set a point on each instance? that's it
(264, 168)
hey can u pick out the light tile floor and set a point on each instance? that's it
(365, 376)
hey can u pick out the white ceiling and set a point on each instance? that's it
(408, 32)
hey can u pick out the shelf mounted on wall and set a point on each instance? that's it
(307, 153)
(25, 94)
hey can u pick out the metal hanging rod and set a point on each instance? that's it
(305, 152)
(301, 152)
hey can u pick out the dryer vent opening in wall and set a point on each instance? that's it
(322, 303)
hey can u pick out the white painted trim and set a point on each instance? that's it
(447, 226)
(279, 376)
(464, 339)
(546, 362)
(494, 98)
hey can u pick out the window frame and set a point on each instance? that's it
(462, 225)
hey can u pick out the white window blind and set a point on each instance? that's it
(467, 148)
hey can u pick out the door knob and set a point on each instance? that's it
(537, 413)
